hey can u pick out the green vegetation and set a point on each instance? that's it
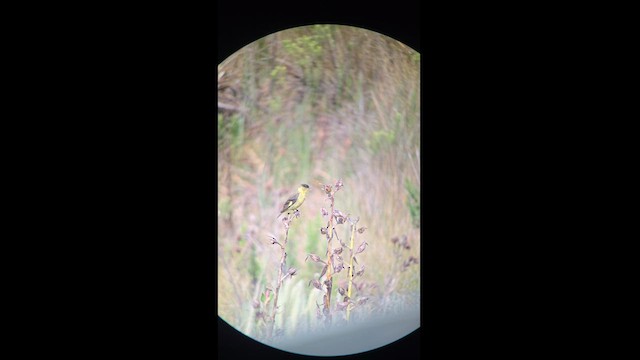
(413, 202)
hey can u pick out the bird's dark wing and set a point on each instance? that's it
(290, 201)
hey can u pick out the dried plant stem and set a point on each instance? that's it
(279, 283)
(353, 236)
(330, 232)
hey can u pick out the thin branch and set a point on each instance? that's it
(280, 278)
(353, 236)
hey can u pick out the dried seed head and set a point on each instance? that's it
(361, 271)
(339, 184)
(337, 251)
(408, 262)
(324, 212)
(292, 271)
(316, 284)
(404, 242)
(341, 291)
(327, 283)
(314, 258)
(339, 215)
(323, 231)
(361, 230)
(361, 247)
(324, 271)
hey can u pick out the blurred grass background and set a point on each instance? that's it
(311, 105)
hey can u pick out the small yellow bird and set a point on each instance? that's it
(295, 200)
